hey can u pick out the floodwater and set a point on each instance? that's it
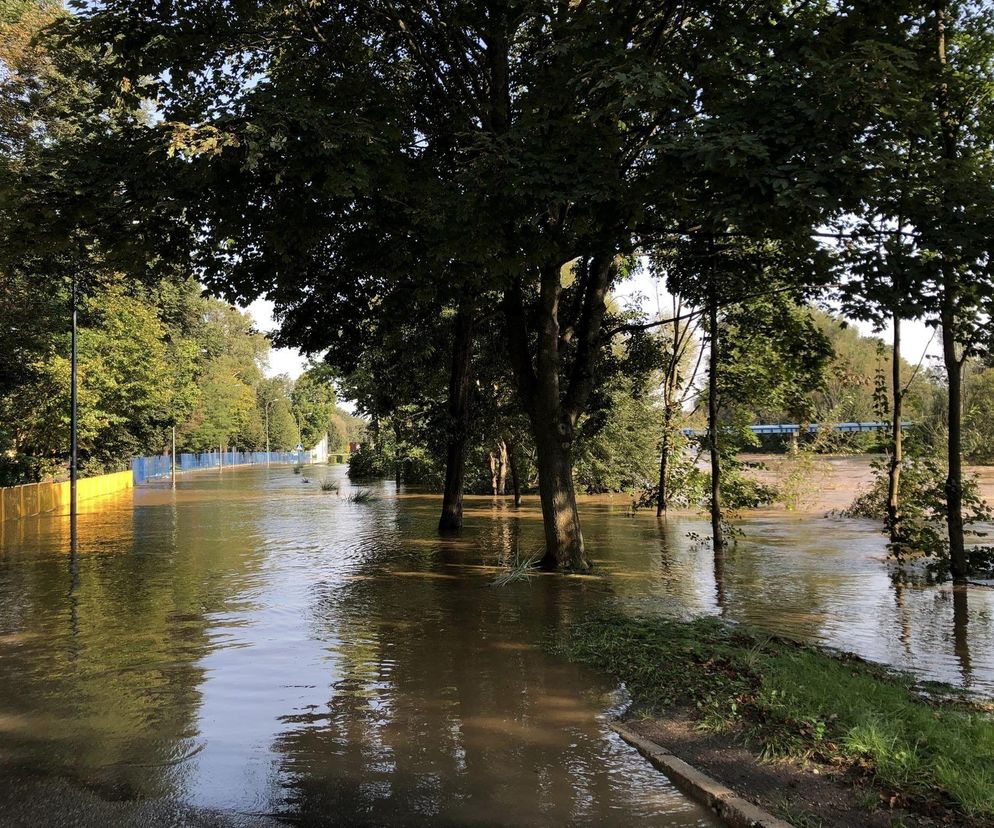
(247, 649)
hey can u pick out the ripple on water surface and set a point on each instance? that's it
(249, 647)
(245, 644)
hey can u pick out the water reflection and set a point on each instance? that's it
(248, 644)
(961, 639)
(811, 578)
(446, 710)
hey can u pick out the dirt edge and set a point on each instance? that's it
(733, 810)
(812, 795)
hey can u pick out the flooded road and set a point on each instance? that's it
(249, 649)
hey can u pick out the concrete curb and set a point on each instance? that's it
(732, 808)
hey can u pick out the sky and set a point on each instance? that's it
(916, 337)
(281, 360)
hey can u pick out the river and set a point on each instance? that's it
(248, 649)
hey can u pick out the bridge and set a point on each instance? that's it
(797, 428)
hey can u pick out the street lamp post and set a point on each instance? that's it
(73, 444)
(267, 430)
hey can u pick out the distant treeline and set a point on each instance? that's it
(150, 357)
(618, 446)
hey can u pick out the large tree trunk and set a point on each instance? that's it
(717, 538)
(564, 547)
(897, 445)
(954, 479)
(455, 453)
(553, 431)
(553, 416)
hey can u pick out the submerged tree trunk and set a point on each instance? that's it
(564, 547)
(455, 452)
(662, 499)
(512, 461)
(493, 474)
(501, 469)
(669, 392)
(717, 538)
(553, 415)
(958, 566)
(897, 444)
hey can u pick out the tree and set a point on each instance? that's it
(679, 341)
(761, 342)
(616, 446)
(525, 150)
(274, 398)
(314, 403)
(942, 145)
(978, 414)
(954, 217)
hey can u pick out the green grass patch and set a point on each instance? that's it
(795, 701)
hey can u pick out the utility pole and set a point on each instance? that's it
(73, 444)
(267, 430)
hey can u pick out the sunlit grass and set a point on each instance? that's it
(794, 701)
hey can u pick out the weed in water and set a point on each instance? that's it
(520, 570)
(361, 496)
(329, 486)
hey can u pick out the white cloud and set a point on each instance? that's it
(281, 360)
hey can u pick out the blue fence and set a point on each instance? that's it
(795, 428)
(160, 465)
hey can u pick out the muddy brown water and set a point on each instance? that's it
(246, 649)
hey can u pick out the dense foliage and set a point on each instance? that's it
(441, 197)
(150, 358)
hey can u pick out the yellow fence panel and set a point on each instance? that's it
(29, 499)
(39, 498)
(12, 503)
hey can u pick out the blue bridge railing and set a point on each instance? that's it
(796, 428)
(160, 465)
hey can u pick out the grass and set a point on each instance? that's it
(520, 570)
(329, 486)
(361, 496)
(795, 701)
(799, 818)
